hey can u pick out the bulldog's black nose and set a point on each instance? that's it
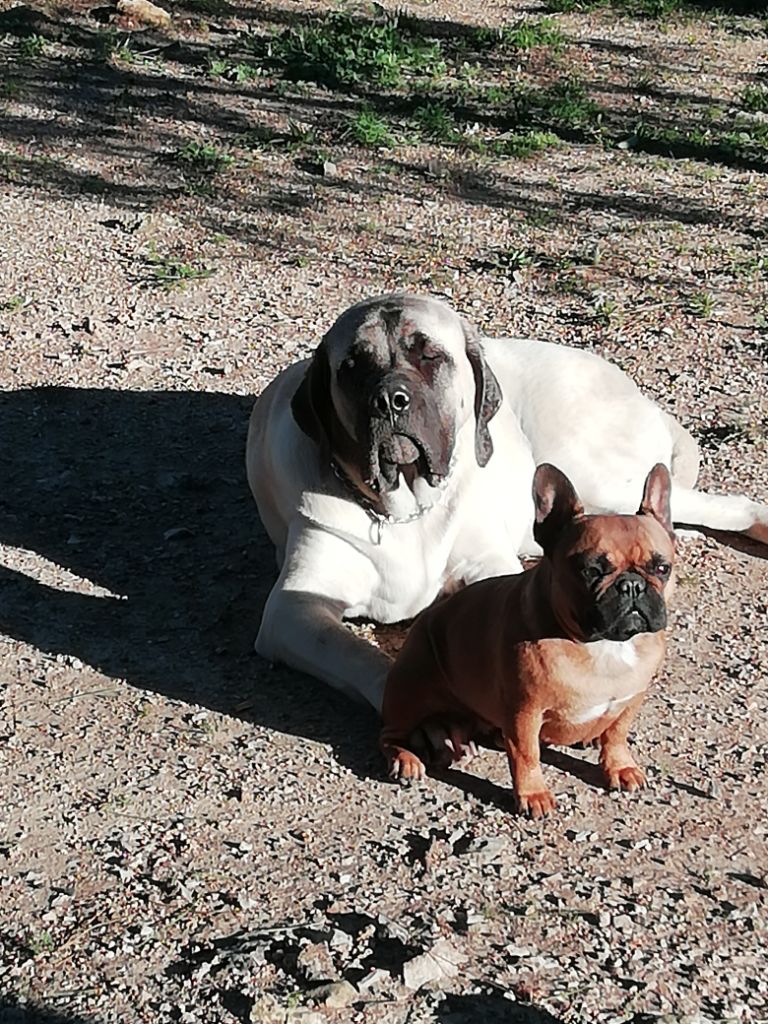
(391, 400)
(631, 585)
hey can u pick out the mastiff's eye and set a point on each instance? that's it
(662, 570)
(424, 349)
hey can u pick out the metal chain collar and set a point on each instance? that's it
(381, 519)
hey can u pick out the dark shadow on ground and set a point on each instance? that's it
(489, 792)
(490, 1009)
(14, 1013)
(144, 494)
(737, 541)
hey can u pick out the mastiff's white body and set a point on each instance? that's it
(397, 464)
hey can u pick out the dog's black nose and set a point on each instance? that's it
(631, 585)
(391, 400)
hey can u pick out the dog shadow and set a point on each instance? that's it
(157, 567)
(12, 1012)
(500, 796)
(156, 564)
(491, 1009)
(737, 541)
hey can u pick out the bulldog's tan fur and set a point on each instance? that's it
(555, 655)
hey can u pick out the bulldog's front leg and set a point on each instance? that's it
(521, 742)
(619, 766)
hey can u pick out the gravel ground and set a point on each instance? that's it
(190, 834)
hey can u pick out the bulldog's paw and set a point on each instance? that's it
(461, 747)
(536, 805)
(629, 778)
(448, 744)
(406, 767)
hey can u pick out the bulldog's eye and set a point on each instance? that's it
(662, 570)
(592, 573)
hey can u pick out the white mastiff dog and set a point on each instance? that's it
(396, 465)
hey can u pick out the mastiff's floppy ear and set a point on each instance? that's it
(487, 394)
(556, 503)
(311, 404)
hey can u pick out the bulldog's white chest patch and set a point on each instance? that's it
(611, 659)
(607, 707)
(610, 655)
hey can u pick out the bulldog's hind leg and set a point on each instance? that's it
(446, 741)
(403, 710)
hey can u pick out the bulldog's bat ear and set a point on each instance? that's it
(656, 497)
(311, 404)
(487, 394)
(556, 503)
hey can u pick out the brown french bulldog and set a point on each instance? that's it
(563, 653)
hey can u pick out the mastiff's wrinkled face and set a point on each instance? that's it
(388, 388)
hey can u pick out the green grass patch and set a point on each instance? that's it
(301, 134)
(170, 272)
(563, 107)
(108, 46)
(523, 119)
(631, 8)
(12, 304)
(124, 53)
(702, 304)
(9, 89)
(527, 34)
(240, 72)
(744, 142)
(42, 942)
(496, 96)
(752, 266)
(203, 158)
(465, 87)
(523, 144)
(565, 104)
(260, 137)
(515, 144)
(506, 262)
(755, 98)
(342, 51)
(32, 46)
(436, 122)
(368, 128)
